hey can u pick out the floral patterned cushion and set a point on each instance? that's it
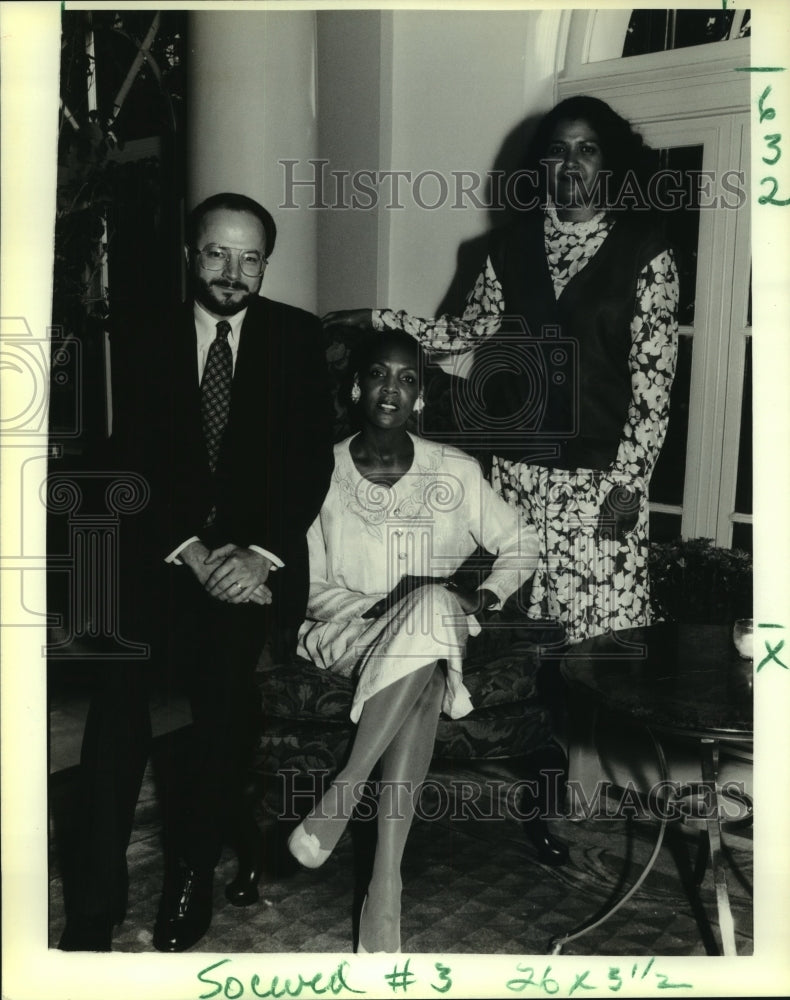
(300, 690)
(506, 730)
(305, 746)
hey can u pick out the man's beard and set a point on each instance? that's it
(209, 294)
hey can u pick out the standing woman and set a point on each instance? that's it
(587, 265)
(401, 516)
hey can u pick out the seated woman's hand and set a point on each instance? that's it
(359, 319)
(377, 610)
(403, 587)
(473, 602)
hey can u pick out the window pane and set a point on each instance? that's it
(681, 220)
(698, 27)
(669, 473)
(743, 489)
(648, 31)
(683, 229)
(664, 527)
(742, 537)
(659, 30)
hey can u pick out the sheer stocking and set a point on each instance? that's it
(381, 719)
(405, 764)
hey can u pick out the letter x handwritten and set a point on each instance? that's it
(772, 655)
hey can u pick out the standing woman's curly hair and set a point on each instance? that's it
(625, 155)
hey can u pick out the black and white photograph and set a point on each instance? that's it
(394, 539)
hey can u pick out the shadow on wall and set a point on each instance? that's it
(472, 253)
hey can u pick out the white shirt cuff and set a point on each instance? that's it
(276, 562)
(173, 557)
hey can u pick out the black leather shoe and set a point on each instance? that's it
(185, 908)
(243, 890)
(550, 850)
(246, 837)
(122, 894)
(87, 933)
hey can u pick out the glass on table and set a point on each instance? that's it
(742, 637)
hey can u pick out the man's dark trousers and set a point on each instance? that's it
(208, 652)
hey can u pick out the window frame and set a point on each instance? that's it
(693, 96)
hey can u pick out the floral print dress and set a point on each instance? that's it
(590, 580)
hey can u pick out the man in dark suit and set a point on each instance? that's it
(226, 415)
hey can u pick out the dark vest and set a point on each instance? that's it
(553, 383)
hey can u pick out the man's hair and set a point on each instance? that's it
(231, 202)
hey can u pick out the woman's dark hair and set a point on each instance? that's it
(365, 351)
(233, 203)
(624, 152)
(372, 345)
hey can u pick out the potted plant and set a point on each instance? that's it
(693, 580)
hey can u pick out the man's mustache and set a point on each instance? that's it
(236, 286)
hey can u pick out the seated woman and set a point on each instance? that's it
(402, 514)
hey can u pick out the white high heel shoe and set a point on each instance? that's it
(361, 949)
(306, 848)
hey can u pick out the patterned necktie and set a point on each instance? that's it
(215, 391)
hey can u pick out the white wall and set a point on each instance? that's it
(461, 83)
(252, 103)
(415, 91)
(349, 125)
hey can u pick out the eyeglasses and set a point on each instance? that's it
(216, 258)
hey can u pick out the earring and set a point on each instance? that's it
(356, 392)
(419, 403)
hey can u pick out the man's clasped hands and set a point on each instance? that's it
(230, 573)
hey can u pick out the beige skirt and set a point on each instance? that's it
(425, 626)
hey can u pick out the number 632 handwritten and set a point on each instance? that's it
(772, 140)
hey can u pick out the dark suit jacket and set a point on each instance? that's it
(276, 458)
